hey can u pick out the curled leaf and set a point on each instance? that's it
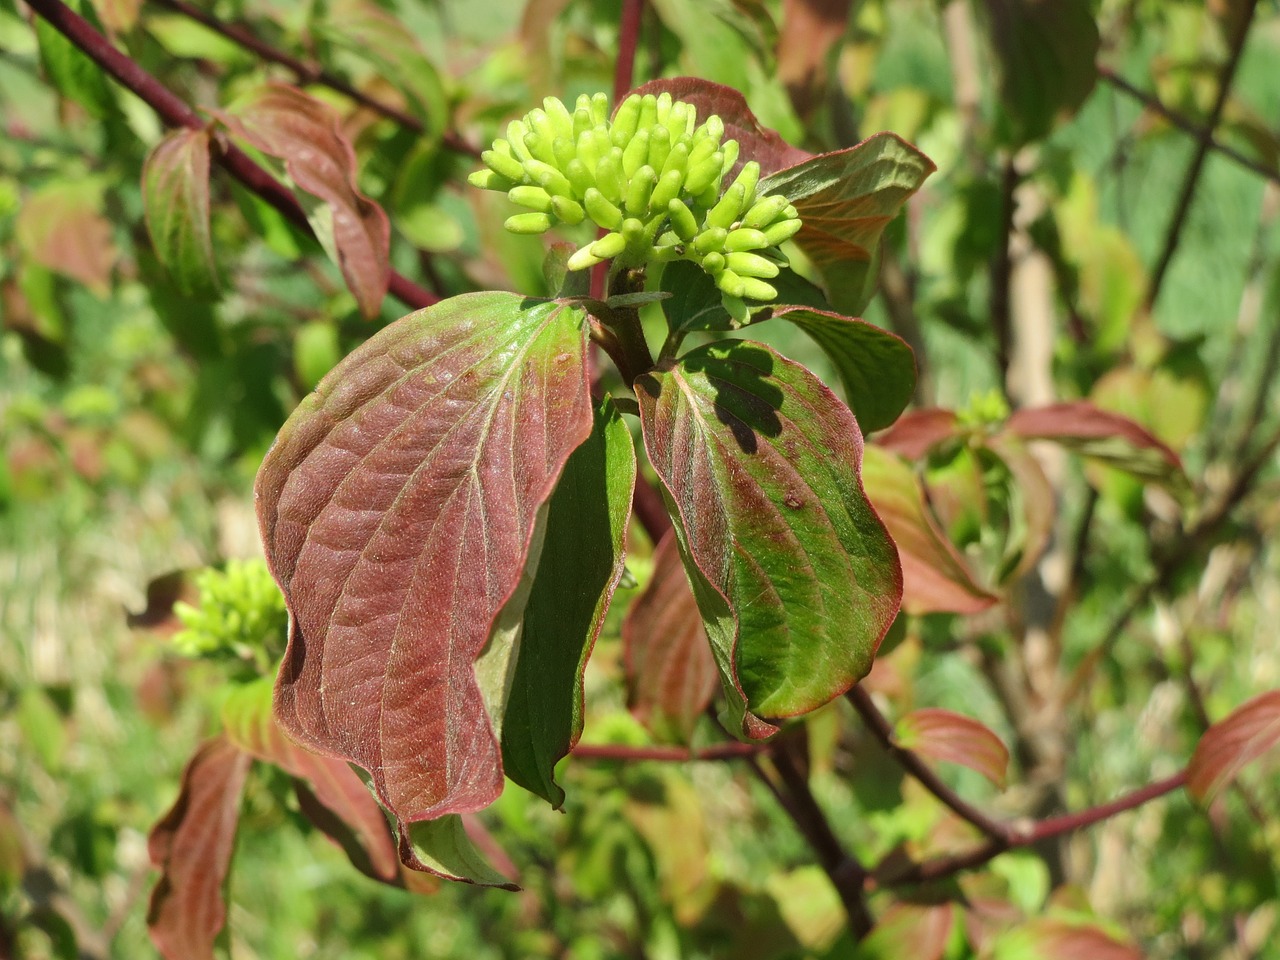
(1094, 432)
(1244, 735)
(954, 738)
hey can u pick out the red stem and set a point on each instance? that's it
(628, 39)
(175, 112)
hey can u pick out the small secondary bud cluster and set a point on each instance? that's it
(653, 178)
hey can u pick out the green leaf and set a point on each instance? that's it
(175, 194)
(442, 847)
(70, 71)
(695, 302)
(877, 368)
(795, 576)
(846, 199)
(580, 565)
(401, 509)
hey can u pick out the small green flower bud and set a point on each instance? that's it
(633, 234)
(702, 173)
(781, 231)
(601, 210)
(582, 120)
(757, 289)
(751, 265)
(560, 117)
(664, 104)
(648, 112)
(489, 180)
(582, 259)
(570, 211)
(714, 128)
(503, 165)
(635, 153)
(563, 150)
(610, 245)
(544, 132)
(677, 159)
(528, 223)
(682, 221)
(548, 177)
(668, 189)
(659, 146)
(515, 136)
(639, 190)
(579, 176)
(735, 307)
(625, 121)
(730, 151)
(727, 209)
(730, 283)
(745, 239)
(701, 150)
(609, 175)
(713, 263)
(747, 178)
(764, 211)
(600, 108)
(709, 240)
(535, 198)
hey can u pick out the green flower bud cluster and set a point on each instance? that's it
(653, 178)
(241, 614)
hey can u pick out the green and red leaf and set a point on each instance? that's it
(1243, 736)
(954, 738)
(671, 675)
(307, 135)
(794, 574)
(403, 507)
(580, 565)
(1094, 432)
(175, 196)
(910, 931)
(917, 431)
(192, 846)
(1053, 939)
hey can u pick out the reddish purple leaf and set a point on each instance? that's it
(1094, 432)
(191, 846)
(401, 508)
(671, 675)
(910, 931)
(757, 142)
(935, 577)
(1052, 939)
(306, 134)
(916, 432)
(955, 738)
(1244, 735)
(175, 193)
(250, 726)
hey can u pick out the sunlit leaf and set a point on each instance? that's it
(249, 725)
(191, 846)
(1243, 736)
(935, 577)
(284, 122)
(580, 565)
(845, 200)
(877, 369)
(175, 194)
(402, 509)
(916, 431)
(794, 574)
(909, 931)
(1052, 939)
(442, 847)
(954, 738)
(671, 675)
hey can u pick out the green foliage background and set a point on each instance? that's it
(133, 417)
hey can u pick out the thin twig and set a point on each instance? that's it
(1186, 124)
(732, 750)
(313, 73)
(175, 112)
(1174, 234)
(1002, 273)
(628, 39)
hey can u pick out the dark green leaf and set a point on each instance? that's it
(582, 559)
(795, 576)
(695, 302)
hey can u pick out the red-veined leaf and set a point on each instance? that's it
(671, 675)
(402, 507)
(306, 134)
(247, 719)
(916, 432)
(1094, 432)
(1053, 939)
(191, 846)
(175, 195)
(794, 574)
(954, 738)
(935, 576)
(845, 200)
(1244, 735)
(580, 565)
(909, 931)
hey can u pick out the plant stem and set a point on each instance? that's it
(176, 113)
(720, 751)
(1002, 273)
(1174, 234)
(628, 39)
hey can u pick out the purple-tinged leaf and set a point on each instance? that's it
(444, 848)
(580, 565)
(175, 196)
(306, 134)
(845, 200)
(954, 738)
(1093, 432)
(191, 846)
(756, 142)
(910, 931)
(671, 674)
(935, 578)
(916, 432)
(402, 509)
(877, 368)
(794, 574)
(249, 724)
(1241, 737)
(1052, 939)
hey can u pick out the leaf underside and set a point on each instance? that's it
(1229, 745)
(954, 738)
(794, 574)
(400, 506)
